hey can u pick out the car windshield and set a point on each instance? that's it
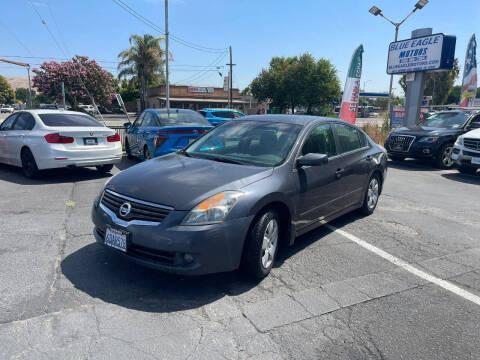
(181, 117)
(258, 143)
(446, 120)
(60, 120)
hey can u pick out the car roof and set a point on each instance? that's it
(219, 109)
(53, 111)
(289, 119)
(171, 110)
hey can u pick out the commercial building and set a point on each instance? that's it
(196, 97)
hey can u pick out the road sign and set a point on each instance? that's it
(425, 53)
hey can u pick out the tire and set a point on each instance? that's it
(29, 165)
(128, 150)
(444, 157)
(466, 169)
(372, 194)
(146, 153)
(104, 168)
(264, 235)
(396, 157)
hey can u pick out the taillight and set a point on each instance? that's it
(159, 140)
(56, 138)
(113, 138)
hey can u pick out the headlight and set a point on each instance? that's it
(428, 139)
(459, 141)
(213, 210)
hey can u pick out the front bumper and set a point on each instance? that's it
(164, 246)
(464, 156)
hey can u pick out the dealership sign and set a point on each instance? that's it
(426, 53)
(192, 89)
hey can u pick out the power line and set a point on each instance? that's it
(162, 31)
(16, 38)
(58, 29)
(202, 73)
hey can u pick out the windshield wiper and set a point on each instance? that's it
(225, 160)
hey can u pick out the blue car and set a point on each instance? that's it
(219, 116)
(156, 132)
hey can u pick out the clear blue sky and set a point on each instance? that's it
(256, 30)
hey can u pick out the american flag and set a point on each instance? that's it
(469, 83)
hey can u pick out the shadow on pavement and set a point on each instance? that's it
(413, 164)
(464, 178)
(112, 278)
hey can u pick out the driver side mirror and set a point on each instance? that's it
(127, 125)
(312, 159)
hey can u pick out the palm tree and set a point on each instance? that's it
(143, 62)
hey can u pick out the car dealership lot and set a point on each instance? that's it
(63, 296)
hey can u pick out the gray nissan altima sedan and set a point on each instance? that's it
(234, 195)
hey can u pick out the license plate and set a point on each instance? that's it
(116, 239)
(90, 141)
(476, 160)
(397, 147)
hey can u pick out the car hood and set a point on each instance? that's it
(473, 134)
(183, 182)
(425, 131)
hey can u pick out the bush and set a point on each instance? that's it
(377, 133)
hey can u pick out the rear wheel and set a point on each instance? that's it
(261, 245)
(146, 153)
(467, 169)
(29, 165)
(104, 168)
(371, 196)
(444, 157)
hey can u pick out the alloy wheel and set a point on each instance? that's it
(447, 156)
(372, 193)
(270, 242)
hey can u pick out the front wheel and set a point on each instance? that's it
(371, 196)
(261, 245)
(444, 157)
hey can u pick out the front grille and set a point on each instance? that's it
(140, 210)
(473, 144)
(400, 142)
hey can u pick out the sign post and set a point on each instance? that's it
(421, 53)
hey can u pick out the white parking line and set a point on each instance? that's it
(406, 266)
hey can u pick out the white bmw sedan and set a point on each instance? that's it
(46, 139)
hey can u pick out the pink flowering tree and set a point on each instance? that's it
(82, 78)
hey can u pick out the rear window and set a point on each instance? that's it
(69, 120)
(182, 118)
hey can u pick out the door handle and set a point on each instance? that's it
(339, 173)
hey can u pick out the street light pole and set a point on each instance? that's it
(376, 11)
(167, 75)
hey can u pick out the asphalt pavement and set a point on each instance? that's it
(351, 290)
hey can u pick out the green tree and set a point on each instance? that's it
(143, 61)
(7, 95)
(295, 81)
(437, 84)
(454, 96)
(22, 95)
(129, 89)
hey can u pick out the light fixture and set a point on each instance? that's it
(421, 3)
(376, 11)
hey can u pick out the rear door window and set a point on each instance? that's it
(25, 121)
(69, 120)
(223, 114)
(348, 138)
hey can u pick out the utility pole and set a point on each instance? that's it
(230, 78)
(28, 72)
(167, 75)
(63, 95)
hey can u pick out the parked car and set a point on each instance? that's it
(48, 106)
(90, 109)
(156, 132)
(46, 139)
(234, 194)
(466, 152)
(7, 109)
(433, 138)
(219, 116)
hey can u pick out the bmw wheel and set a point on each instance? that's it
(261, 245)
(29, 165)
